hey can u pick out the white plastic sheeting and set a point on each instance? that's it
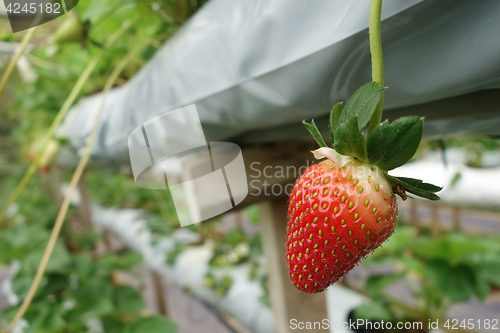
(256, 68)
(464, 186)
(243, 298)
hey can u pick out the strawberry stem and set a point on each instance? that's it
(377, 59)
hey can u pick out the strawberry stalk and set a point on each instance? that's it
(377, 58)
(386, 145)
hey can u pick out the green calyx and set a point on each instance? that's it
(388, 146)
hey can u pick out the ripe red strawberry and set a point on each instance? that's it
(336, 217)
(345, 207)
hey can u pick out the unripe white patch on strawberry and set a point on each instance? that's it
(351, 165)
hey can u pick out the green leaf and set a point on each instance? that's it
(487, 262)
(252, 213)
(482, 288)
(256, 246)
(456, 282)
(455, 179)
(58, 260)
(92, 299)
(128, 260)
(106, 264)
(21, 285)
(20, 235)
(315, 133)
(492, 275)
(392, 145)
(81, 265)
(175, 252)
(362, 104)
(151, 325)
(349, 140)
(414, 265)
(452, 247)
(376, 283)
(334, 120)
(128, 299)
(397, 243)
(417, 183)
(486, 267)
(372, 311)
(420, 190)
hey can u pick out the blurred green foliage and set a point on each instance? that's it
(78, 288)
(440, 272)
(58, 66)
(474, 147)
(78, 292)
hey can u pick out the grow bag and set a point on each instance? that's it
(256, 68)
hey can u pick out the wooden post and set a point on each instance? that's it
(286, 301)
(85, 213)
(56, 178)
(160, 294)
(84, 209)
(414, 220)
(46, 184)
(435, 226)
(457, 223)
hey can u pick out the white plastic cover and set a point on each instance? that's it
(256, 68)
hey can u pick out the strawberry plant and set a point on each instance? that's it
(234, 248)
(80, 291)
(441, 272)
(220, 285)
(345, 207)
(63, 65)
